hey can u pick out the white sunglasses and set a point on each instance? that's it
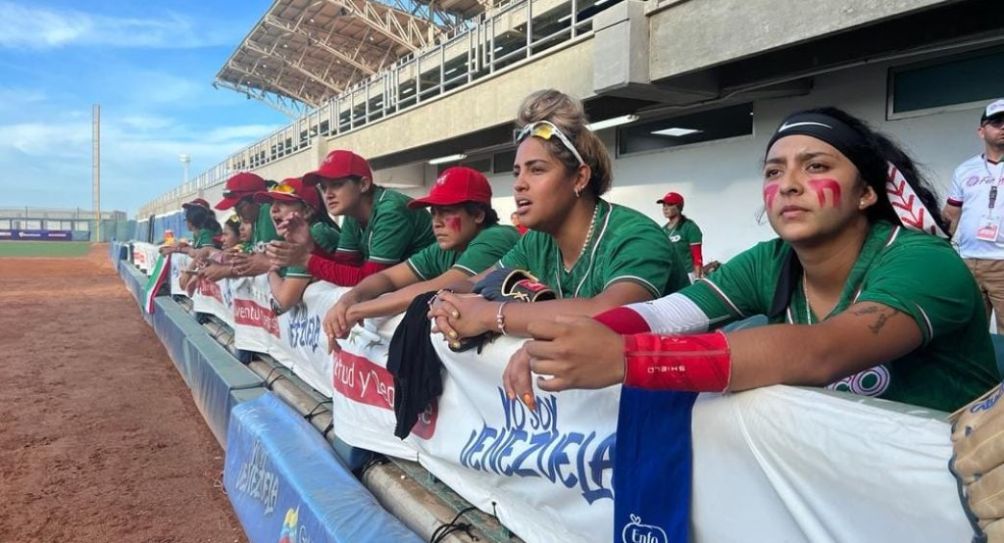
(546, 130)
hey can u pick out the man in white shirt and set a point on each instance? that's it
(976, 212)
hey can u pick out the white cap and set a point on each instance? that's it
(994, 108)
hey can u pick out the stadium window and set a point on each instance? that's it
(4, 224)
(482, 163)
(502, 161)
(715, 124)
(957, 82)
(83, 226)
(31, 225)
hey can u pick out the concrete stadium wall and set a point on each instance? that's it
(721, 179)
(689, 36)
(490, 102)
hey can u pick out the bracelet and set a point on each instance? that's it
(435, 298)
(500, 319)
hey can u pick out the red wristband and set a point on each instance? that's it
(623, 321)
(696, 363)
(695, 255)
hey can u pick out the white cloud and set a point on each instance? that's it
(31, 27)
(137, 162)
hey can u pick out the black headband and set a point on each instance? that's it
(825, 128)
(904, 202)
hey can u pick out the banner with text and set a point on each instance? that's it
(784, 463)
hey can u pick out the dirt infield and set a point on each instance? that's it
(99, 437)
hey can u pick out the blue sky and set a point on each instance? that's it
(150, 65)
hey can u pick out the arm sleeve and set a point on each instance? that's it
(391, 236)
(695, 254)
(342, 274)
(929, 283)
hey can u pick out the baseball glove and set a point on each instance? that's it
(978, 463)
(504, 285)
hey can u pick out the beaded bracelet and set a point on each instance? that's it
(500, 319)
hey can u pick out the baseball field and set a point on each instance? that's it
(99, 437)
(51, 249)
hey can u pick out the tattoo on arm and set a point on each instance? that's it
(866, 310)
(880, 321)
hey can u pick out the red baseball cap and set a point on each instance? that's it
(290, 190)
(240, 186)
(196, 202)
(456, 185)
(671, 199)
(339, 164)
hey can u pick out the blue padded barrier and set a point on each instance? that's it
(214, 376)
(284, 481)
(353, 457)
(172, 325)
(135, 281)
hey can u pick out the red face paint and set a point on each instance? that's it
(820, 186)
(769, 193)
(453, 223)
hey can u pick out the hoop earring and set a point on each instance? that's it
(577, 191)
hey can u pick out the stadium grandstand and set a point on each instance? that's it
(685, 94)
(38, 224)
(680, 100)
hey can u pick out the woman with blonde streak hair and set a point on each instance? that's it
(593, 254)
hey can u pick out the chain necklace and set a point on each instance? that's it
(805, 294)
(585, 243)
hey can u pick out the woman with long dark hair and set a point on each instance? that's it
(864, 292)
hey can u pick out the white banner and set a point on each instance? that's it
(179, 262)
(302, 346)
(255, 325)
(144, 256)
(774, 464)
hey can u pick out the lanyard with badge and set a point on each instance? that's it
(990, 226)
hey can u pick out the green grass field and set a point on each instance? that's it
(50, 249)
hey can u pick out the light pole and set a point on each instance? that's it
(185, 161)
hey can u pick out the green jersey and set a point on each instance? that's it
(325, 235)
(393, 232)
(204, 238)
(911, 272)
(681, 237)
(624, 246)
(481, 253)
(264, 228)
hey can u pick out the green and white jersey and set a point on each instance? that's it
(681, 237)
(912, 272)
(264, 229)
(481, 253)
(204, 238)
(325, 235)
(393, 232)
(625, 246)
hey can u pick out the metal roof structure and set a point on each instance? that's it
(303, 52)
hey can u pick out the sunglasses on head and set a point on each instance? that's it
(283, 189)
(546, 130)
(237, 195)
